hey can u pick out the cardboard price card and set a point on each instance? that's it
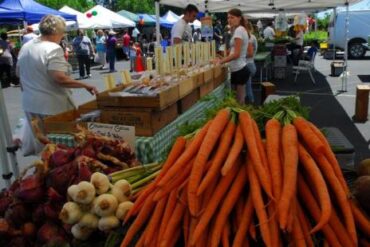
(119, 132)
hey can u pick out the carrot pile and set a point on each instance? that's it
(228, 185)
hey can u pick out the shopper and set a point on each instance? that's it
(83, 49)
(100, 49)
(217, 34)
(111, 45)
(44, 74)
(126, 44)
(181, 31)
(135, 34)
(237, 58)
(269, 32)
(29, 35)
(6, 61)
(251, 53)
(197, 36)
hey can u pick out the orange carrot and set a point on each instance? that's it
(176, 150)
(273, 132)
(140, 220)
(219, 158)
(309, 201)
(251, 140)
(228, 204)
(186, 226)
(274, 226)
(220, 190)
(174, 238)
(304, 130)
(252, 231)
(226, 234)
(259, 206)
(340, 194)
(305, 225)
(330, 156)
(297, 233)
(186, 156)
(175, 220)
(245, 221)
(155, 221)
(170, 206)
(362, 221)
(213, 134)
(239, 208)
(174, 182)
(319, 184)
(235, 150)
(339, 229)
(291, 217)
(364, 243)
(290, 154)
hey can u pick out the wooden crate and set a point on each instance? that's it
(206, 88)
(198, 79)
(147, 121)
(88, 107)
(160, 101)
(188, 101)
(63, 123)
(186, 87)
(220, 76)
(208, 75)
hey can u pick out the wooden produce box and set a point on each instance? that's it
(198, 79)
(208, 75)
(159, 102)
(220, 75)
(63, 123)
(188, 101)
(206, 88)
(186, 87)
(147, 121)
(88, 107)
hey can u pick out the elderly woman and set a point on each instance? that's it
(44, 73)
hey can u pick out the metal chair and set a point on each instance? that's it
(304, 65)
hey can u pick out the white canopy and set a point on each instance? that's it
(117, 20)
(171, 17)
(257, 5)
(268, 15)
(84, 22)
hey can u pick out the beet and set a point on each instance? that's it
(84, 173)
(5, 201)
(17, 213)
(60, 178)
(54, 196)
(61, 157)
(51, 210)
(50, 232)
(19, 242)
(31, 189)
(29, 230)
(38, 215)
(361, 191)
(88, 151)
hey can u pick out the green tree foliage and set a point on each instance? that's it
(323, 23)
(136, 6)
(80, 5)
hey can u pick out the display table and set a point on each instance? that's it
(150, 149)
(263, 61)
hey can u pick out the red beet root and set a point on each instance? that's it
(31, 189)
(49, 232)
(54, 196)
(61, 157)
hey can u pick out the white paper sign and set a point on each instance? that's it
(119, 132)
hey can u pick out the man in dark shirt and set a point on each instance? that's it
(217, 34)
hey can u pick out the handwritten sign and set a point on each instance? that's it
(119, 132)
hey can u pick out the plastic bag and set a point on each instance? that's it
(24, 138)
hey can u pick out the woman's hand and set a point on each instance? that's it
(216, 61)
(91, 89)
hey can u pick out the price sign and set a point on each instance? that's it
(119, 132)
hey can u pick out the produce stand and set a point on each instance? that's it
(263, 62)
(150, 149)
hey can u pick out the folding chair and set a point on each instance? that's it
(304, 65)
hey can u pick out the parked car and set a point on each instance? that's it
(358, 32)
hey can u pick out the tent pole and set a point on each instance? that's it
(334, 32)
(345, 73)
(6, 174)
(157, 24)
(7, 133)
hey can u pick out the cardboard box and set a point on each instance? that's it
(147, 121)
(206, 88)
(188, 101)
(186, 87)
(159, 102)
(198, 79)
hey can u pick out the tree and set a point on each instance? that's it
(136, 6)
(323, 23)
(81, 5)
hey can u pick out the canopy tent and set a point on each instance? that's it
(84, 22)
(255, 16)
(148, 19)
(196, 24)
(18, 11)
(257, 6)
(129, 15)
(118, 21)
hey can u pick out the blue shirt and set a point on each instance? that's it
(100, 44)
